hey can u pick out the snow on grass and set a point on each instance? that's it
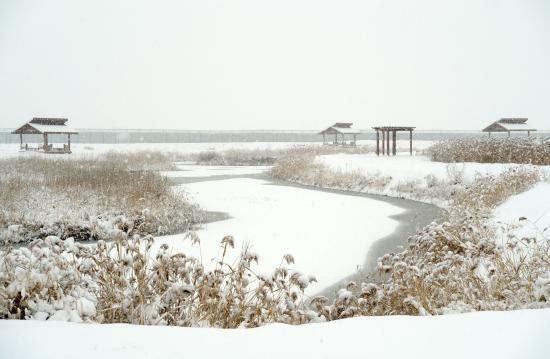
(328, 234)
(514, 334)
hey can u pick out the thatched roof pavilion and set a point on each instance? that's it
(45, 127)
(340, 129)
(509, 125)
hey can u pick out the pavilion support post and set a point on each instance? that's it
(45, 142)
(377, 143)
(528, 133)
(69, 142)
(354, 139)
(335, 138)
(20, 141)
(508, 134)
(411, 142)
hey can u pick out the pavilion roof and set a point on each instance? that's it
(45, 126)
(509, 124)
(341, 128)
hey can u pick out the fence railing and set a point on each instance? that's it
(179, 136)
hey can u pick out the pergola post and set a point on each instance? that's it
(394, 149)
(411, 142)
(377, 143)
(388, 143)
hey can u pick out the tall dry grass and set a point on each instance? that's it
(262, 157)
(86, 197)
(492, 150)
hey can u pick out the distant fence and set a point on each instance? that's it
(181, 136)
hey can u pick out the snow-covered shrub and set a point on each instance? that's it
(87, 198)
(492, 150)
(124, 281)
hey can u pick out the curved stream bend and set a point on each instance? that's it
(415, 216)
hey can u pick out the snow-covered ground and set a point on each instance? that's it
(534, 205)
(404, 167)
(328, 234)
(12, 149)
(502, 335)
(526, 214)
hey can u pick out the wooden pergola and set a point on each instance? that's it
(385, 131)
(45, 127)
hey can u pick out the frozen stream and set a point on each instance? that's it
(332, 235)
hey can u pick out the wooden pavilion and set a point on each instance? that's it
(509, 125)
(46, 127)
(340, 130)
(385, 131)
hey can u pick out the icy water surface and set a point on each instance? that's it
(334, 235)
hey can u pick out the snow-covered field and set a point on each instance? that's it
(11, 149)
(404, 167)
(328, 234)
(502, 335)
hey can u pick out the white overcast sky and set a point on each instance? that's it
(281, 64)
